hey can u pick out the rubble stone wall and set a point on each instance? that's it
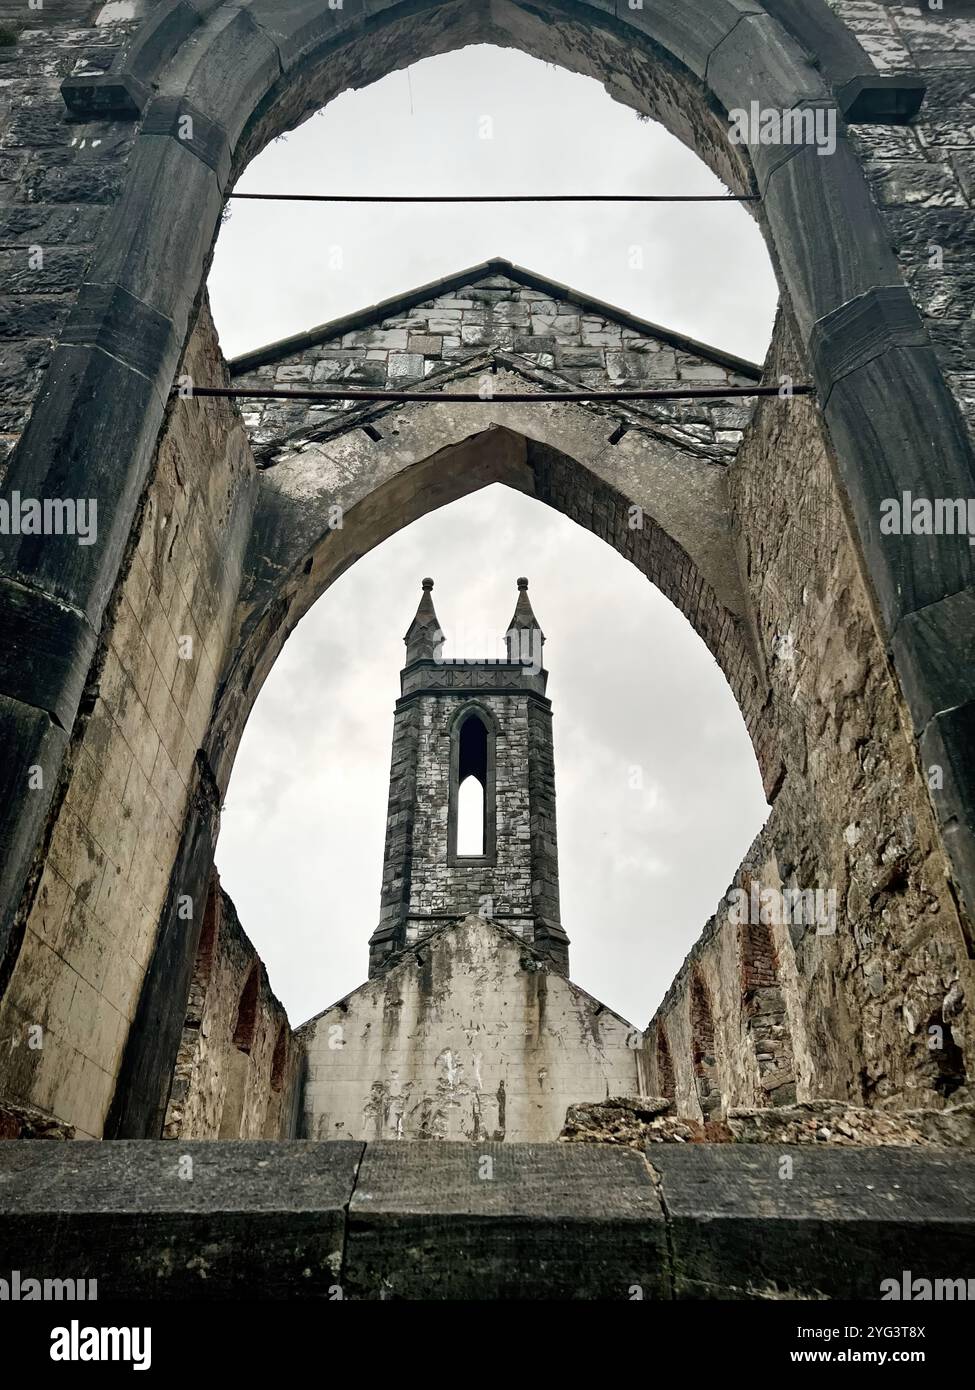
(238, 1068)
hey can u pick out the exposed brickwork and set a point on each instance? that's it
(764, 1012)
(665, 1065)
(703, 1048)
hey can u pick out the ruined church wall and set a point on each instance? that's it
(730, 1028)
(922, 175)
(852, 817)
(867, 998)
(854, 814)
(470, 1036)
(60, 177)
(238, 1067)
(89, 937)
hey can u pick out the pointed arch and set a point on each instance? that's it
(473, 731)
(247, 73)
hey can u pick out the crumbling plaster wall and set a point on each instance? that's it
(470, 1035)
(227, 1086)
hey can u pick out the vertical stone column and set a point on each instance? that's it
(390, 935)
(549, 934)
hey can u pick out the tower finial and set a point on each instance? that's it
(524, 637)
(424, 639)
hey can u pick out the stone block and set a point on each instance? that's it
(692, 35)
(837, 1227)
(257, 1217)
(579, 356)
(831, 240)
(880, 416)
(551, 1221)
(427, 344)
(405, 366)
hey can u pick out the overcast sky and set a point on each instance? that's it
(301, 844)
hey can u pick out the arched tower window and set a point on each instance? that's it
(471, 817)
(472, 788)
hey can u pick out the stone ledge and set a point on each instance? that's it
(795, 1221)
(432, 1220)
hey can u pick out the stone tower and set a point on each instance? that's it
(486, 719)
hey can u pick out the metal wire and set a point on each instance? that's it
(501, 197)
(510, 397)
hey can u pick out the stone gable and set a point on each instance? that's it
(468, 1036)
(410, 340)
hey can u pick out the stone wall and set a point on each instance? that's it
(846, 1012)
(57, 183)
(503, 887)
(115, 724)
(551, 327)
(437, 886)
(88, 940)
(238, 1070)
(923, 175)
(468, 1035)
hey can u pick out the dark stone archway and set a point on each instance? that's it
(211, 85)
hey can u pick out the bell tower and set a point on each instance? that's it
(471, 822)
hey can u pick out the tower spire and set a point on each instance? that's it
(524, 637)
(424, 637)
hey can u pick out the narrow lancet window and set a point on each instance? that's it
(472, 777)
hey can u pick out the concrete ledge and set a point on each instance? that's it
(499, 1221)
(239, 1220)
(415, 1220)
(794, 1221)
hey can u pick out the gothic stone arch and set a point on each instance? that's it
(71, 880)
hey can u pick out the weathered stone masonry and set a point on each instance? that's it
(847, 650)
(488, 720)
(238, 1069)
(468, 1027)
